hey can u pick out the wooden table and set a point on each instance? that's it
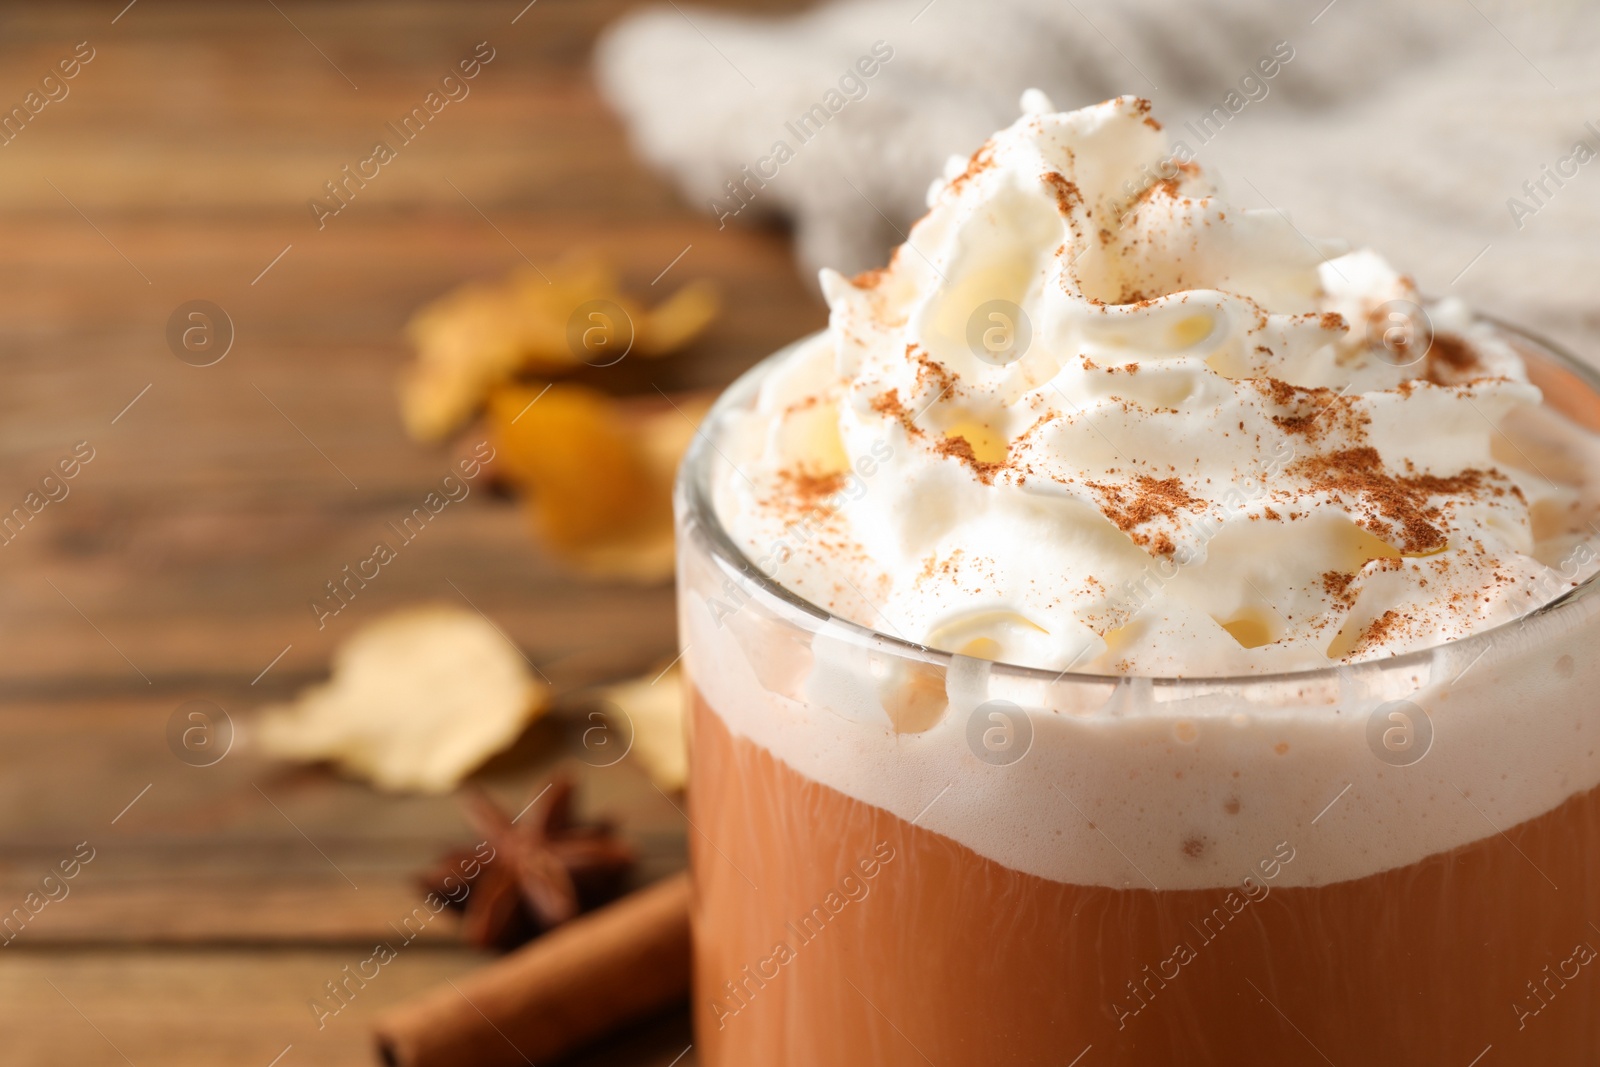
(219, 499)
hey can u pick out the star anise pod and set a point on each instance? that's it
(546, 868)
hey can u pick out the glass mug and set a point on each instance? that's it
(906, 857)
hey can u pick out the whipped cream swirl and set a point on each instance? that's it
(1093, 417)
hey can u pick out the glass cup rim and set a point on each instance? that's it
(697, 509)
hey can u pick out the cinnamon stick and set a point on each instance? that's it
(579, 982)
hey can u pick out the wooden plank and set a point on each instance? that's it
(201, 1009)
(246, 850)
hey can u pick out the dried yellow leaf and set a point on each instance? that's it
(418, 700)
(678, 320)
(485, 334)
(597, 472)
(653, 708)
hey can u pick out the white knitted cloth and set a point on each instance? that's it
(1408, 128)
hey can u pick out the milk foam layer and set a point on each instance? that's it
(1093, 417)
(1132, 784)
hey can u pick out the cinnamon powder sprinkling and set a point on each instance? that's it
(1314, 412)
(1165, 185)
(811, 490)
(1453, 352)
(1337, 585)
(981, 161)
(1396, 503)
(1066, 191)
(1382, 629)
(959, 447)
(930, 368)
(870, 278)
(889, 405)
(1149, 499)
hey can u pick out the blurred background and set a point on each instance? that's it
(240, 325)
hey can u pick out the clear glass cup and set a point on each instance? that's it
(908, 857)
